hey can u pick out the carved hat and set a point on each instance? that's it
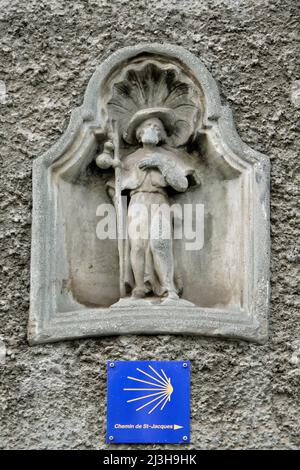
(152, 89)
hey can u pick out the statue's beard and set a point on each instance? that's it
(150, 136)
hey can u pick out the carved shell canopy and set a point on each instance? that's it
(154, 89)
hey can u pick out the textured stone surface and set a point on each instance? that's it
(243, 395)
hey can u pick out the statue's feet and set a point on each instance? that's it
(172, 295)
(138, 293)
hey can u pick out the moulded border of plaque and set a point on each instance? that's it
(48, 325)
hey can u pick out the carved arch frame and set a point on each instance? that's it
(47, 324)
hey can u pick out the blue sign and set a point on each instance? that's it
(148, 402)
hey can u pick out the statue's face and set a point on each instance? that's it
(151, 131)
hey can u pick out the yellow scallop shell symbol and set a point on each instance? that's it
(160, 385)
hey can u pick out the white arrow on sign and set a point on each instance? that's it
(176, 426)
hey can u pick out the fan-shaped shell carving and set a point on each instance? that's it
(156, 86)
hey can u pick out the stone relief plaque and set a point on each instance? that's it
(150, 215)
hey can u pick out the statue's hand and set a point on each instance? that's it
(151, 162)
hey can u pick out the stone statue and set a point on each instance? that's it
(148, 175)
(167, 152)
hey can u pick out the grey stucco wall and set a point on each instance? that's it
(244, 396)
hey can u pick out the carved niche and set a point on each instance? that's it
(152, 128)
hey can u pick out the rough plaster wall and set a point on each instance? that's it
(243, 395)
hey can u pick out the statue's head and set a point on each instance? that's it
(150, 126)
(151, 131)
